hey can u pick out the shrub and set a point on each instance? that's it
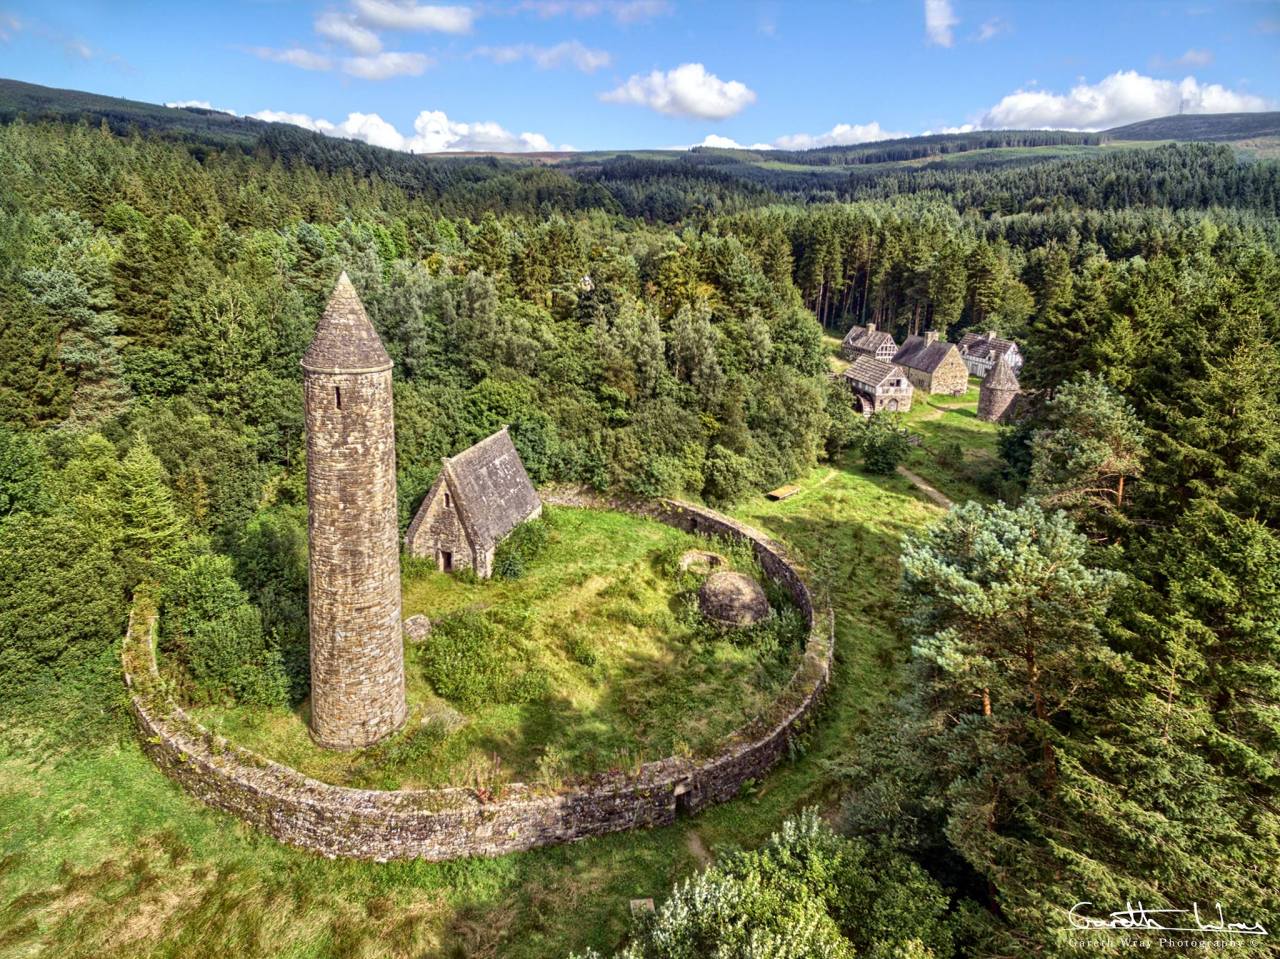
(464, 664)
(728, 476)
(200, 592)
(517, 551)
(950, 454)
(230, 658)
(884, 444)
(806, 892)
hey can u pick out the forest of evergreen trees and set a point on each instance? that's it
(1111, 721)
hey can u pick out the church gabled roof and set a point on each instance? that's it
(1002, 376)
(492, 491)
(345, 340)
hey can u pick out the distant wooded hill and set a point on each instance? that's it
(1217, 127)
(987, 169)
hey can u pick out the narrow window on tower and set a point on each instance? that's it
(337, 396)
(447, 501)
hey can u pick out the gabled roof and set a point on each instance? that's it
(868, 341)
(345, 340)
(869, 370)
(983, 346)
(1002, 376)
(921, 355)
(491, 489)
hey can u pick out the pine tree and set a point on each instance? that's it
(155, 537)
(1091, 441)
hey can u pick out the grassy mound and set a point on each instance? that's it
(589, 656)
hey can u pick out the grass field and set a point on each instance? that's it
(947, 426)
(104, 857)
(608, 666)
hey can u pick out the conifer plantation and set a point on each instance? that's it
(1064, 688)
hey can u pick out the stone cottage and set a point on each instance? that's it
(981, 350)
(933, 365)
(879, 386)
(481, 495)
(868, 341)
(998, 395)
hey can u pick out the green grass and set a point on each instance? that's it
(943, 424)
(592, 660)
(101, 856)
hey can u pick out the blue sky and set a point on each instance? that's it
(597, 74)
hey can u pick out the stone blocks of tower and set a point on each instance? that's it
(357, 645)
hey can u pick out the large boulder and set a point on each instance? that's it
(417, 628)
(732, 599)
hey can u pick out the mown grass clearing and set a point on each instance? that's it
(594, 659)
(957, 453)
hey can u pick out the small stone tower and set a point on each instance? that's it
(998, 392)
(357, 649)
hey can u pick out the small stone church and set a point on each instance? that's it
(481, 495)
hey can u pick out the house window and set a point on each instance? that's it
(448, 501)
(337, 396)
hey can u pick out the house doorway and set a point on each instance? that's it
(446, 561)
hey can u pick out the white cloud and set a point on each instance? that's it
(433, 132)
(295, 57)
(1123, 97)
(1270, 25)
(842, 134)
(1192, 58)
(939, 22)
(9, 25)
(570, 53)
(200, 104)
(384, 66)
(398, 15)
(624, 11)
(688, 90)
(344, 29)
(992, 28)
(728, 143)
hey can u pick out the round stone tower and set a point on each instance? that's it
(357, 649)
(998, 392)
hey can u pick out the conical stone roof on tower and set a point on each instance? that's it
(357, 649)
(345, 340)
(998, 392)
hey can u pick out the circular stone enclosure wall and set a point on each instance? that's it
(448, 823)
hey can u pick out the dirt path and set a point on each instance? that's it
(693, 842)
(929, 491)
